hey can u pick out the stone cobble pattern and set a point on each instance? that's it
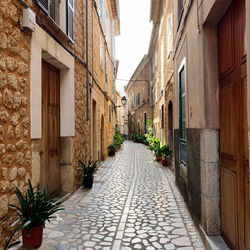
(134, 204)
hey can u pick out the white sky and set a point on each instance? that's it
(133, 42)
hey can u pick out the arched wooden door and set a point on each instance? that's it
(234, 162)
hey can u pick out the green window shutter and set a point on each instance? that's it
(182, 113)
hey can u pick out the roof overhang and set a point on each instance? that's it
(115, 8)
(156, 10)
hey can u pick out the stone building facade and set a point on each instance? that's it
(57, 89)
(120, 114)
(138, 92)
(211, 130)
(160, 52)
(15, 143)
(159, 67)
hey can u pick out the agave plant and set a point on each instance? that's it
(35, 208)
(88, 168)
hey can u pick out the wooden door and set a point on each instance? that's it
(233, 128)
(102, 140)
(50, 143)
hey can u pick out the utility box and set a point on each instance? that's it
(29, 20)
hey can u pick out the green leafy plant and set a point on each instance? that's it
(150, 128)
(158, 150)
(88, 168)
(118, 140)
(154, 143)
(35, 207)
(111, 148)
(166, 151)
(134, 137)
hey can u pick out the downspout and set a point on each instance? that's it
(87, 65)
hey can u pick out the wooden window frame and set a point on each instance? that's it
(101, 10)
(41, 5)
(70, 8)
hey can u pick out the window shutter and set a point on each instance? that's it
(100, 10)
(70, 19)
(109, 113)
(44, 5)
(182, 106)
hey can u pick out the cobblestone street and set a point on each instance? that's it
(134, 204)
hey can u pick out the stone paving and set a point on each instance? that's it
(134, 204)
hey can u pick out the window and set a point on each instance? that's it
(101, 54)
(182, 105)
(169, 34)
(180, 8)
(107, 27)
(44, 5)
(138, 99)
(100, 10)
(109, 113)
(50, 7)
(54, 10)
(155, 62)
(162, 65)
(182, 113)
(153, 96)
(106, 73)
(70, 19)
(156, 91)
(162, 116)
(143, 94)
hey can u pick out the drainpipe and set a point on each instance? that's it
(87, 64)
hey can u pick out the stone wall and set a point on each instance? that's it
(162, 74)
(15, 148)
(136, 113)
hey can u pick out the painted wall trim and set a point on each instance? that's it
(45, 47)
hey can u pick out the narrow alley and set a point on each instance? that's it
(134, 204)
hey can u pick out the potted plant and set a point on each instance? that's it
(111, 150)
(88, 172)
(34, 209)
(166, 155)
(118, 140)
(158, 153)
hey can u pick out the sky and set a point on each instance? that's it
(133, 42)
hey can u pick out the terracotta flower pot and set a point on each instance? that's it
(34, 239)
(164, 162)
(158, 158)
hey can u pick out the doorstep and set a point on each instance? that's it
(61, 197)
(213, 242)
